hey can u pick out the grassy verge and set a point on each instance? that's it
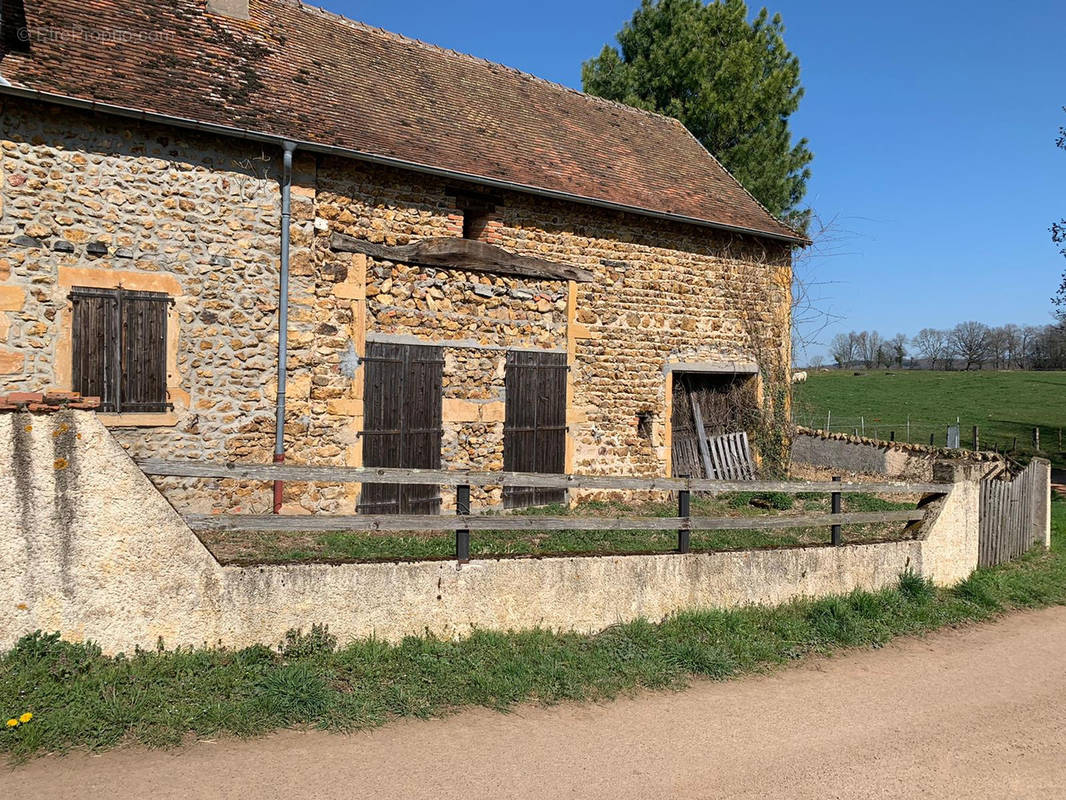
(80, 698)
(275, 547)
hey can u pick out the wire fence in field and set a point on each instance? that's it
(954, 431)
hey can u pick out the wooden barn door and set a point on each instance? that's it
(534, 430)
(402, 424)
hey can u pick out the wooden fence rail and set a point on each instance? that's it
(509, 522)
(331, 474)
(464, 522)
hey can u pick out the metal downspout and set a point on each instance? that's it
(283, 315)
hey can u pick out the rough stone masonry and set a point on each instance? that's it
(99, 201)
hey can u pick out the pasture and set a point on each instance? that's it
(1006, 406)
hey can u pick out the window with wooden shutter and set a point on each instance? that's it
(534, 429)
(119, 345)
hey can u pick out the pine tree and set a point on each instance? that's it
(731, 82)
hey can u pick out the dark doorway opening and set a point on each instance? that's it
(726, 402)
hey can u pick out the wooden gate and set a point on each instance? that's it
(402, 424)
(1011, 516)
(534, 428)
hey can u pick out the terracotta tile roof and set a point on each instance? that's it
(299, 72)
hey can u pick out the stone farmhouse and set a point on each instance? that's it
(472, 267)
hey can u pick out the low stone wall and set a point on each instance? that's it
(816, 454)
(89, 548)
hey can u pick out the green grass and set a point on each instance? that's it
(1004, 405)
(346, 546)
(82, 699)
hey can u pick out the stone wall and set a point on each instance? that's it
(90, 200)
(89, 548)
(817, 454)
(93, 201)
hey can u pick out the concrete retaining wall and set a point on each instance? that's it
(89, 547)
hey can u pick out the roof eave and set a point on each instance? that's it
(344, 152)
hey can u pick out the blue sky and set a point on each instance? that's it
(932, 125)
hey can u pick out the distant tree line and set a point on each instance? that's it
(969, 345)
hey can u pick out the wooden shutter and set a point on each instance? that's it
(534, 431)
(402, 424)
(119, 344)
(95, 333)
(143, 351)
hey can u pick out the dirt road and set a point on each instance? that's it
(975, 713)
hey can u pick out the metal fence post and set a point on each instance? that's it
(836, 510)
(976, 438)
(462, 508)
(684, 511)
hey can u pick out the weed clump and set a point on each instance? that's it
(915, 588)
(298, 645)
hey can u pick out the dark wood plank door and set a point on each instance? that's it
(402, 424)
(534, 430)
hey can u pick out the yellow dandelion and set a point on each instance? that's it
(26, 717)
(12, 723)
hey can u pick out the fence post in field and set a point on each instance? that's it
(836, 510)
(683, 511)
(1036, 439)
(954, 437)
(462, 508)
(976, 439)
(1014, 446)
(891, 436)
(932, 440)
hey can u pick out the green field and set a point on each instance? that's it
(1005, 406)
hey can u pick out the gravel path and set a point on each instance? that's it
(972, 713)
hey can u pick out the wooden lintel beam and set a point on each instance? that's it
(464, 254)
